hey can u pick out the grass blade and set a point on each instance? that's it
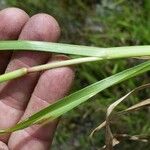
(105, 53)
(68, 103)
(52, 47)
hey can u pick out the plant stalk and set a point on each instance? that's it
(13, 74)
(62, 64)
(24, 71)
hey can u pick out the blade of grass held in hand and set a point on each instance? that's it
(68, 103)
(24, 71)
(104, 53)
(13, 75)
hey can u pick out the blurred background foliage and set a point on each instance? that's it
(103, 23)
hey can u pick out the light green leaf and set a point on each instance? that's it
(104, 53)
(68, 103)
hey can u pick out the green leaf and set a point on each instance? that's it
(68, 103)
(105, 53)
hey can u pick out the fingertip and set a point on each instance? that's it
(42, 27)
(12, 21)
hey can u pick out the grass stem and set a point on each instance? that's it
(13, 74)
(62, 63)
(23, 71)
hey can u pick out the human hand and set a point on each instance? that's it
(24, 96)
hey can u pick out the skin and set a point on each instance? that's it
(22, 97)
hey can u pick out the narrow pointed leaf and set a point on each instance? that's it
(68, 103)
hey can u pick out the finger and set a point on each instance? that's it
(3, 146)
(15, 94)
(52, 85)
(11, 22)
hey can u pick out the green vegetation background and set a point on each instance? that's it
(103, 23)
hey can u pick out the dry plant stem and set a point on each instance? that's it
(23, 71)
